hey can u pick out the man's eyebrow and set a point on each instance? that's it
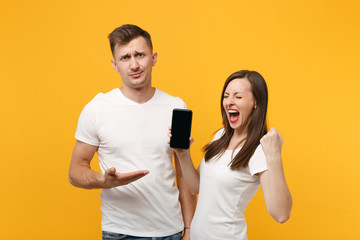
(124, 55)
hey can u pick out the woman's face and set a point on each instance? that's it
(238, 103)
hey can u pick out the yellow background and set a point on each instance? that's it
(54, 58)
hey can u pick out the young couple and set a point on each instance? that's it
(128, 128)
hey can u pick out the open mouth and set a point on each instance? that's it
(233, 115)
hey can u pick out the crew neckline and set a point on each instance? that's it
(152, 99)
(236, 149)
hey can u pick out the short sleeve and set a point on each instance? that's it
(257, 162)
(86, 130)
(218, 134)
(180, 103)
(184, 104)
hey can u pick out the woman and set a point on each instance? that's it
(241, 157)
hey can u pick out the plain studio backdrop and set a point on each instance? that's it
(55, 57)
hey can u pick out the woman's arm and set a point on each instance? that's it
(277, 195)
(186, 198)
(190, 174)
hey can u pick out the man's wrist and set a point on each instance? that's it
(100, 182)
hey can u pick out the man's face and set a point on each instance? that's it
(134, 61)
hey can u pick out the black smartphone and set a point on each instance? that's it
(181, 128)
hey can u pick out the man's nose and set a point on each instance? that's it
(134, 65)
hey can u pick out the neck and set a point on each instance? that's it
(237, 138)
(240, 133)
(138, 95)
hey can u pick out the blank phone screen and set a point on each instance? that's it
(181, 128)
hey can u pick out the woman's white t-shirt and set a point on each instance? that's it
(224, 195)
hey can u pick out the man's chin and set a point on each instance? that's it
(139, 85)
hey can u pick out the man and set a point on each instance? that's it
(128, 128)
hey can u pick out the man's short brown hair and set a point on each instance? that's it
(126, 33)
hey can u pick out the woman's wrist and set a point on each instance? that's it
(274, 163)
(183, 155)
(186, 231)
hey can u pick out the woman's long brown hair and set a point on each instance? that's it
(257, 126)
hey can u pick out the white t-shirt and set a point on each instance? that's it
(224, 195)
(132, 137)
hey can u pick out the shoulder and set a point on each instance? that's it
(258, 162)
(99, 101)
(90, 110)
(259, 150)
(167, 98)
(93, 101)
(219, 134)
(111, 93)
(258, 154)
(101, 98)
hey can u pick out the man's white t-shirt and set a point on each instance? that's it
(132, 137)
(224, 195)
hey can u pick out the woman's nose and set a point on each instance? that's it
(229, 101)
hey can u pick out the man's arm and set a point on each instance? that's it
(81, 175)
(187, 200)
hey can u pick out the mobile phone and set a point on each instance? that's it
(181, 128)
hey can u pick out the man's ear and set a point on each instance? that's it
(113, 63)
(154, 58)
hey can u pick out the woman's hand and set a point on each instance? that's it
(272, 144)
(180, 152)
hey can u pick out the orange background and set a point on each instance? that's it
(55, 58)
